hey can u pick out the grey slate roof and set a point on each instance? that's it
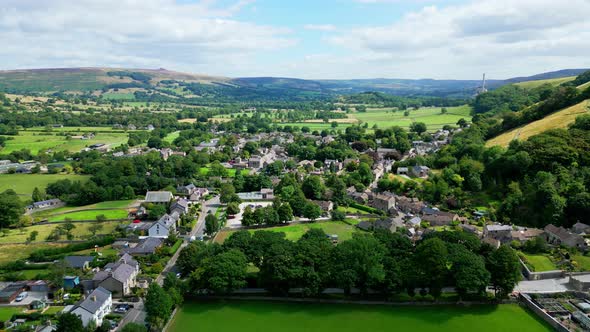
(92, 306)
(145, 246)
(78, 262)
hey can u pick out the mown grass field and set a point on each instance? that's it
(13, 252)
(90, 215)
(290, 317)
(431, 116)
(552, 81)
(123, 204)
(37, 141)
(80, 232)
(24, 184)
(171, 137)
(559, 119)
(7, 312)
(231, 172)
(540, 263)
(295, 232)
(582, 262)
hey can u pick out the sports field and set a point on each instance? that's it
(37, 141)
(291, 317)
(24, 184)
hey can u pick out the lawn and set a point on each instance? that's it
(24, 184)
(7, 312)
(294, 232)
(540, 263)
(13, 252)
(583, 262)
(231, 172)
(91, 215)
(559, 119)
(80, 232)
(291, 317)
(36, 141)
(115, 205)
(54, 309)
(431, 116)
(171, 137)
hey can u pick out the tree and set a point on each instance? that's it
(504, 267)
(311, 211)
(134, 327)
(227, 193)
(69, 322)
(37, 195)
(156, 211)
(285, 212)
(462, 123)
(418, 127)
(225, 272)
(232, 208)
(359, 263)
(443, 110)
(32, 236)
(469, 271)
(95, 228)
(211, 224)
(312, 187)
(431, 259)
(11, 208)
(158, 306)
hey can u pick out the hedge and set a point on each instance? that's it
(365, 208)
(50, 254)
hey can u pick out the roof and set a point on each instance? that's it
(145, 246)
(498, 228)
(158, 196)
(119, 271)
(9, 290)
(78, 262)
(365, 225)
(49, 201)
(184, 203)
(95, 300)
(415, 221)
(563, 234)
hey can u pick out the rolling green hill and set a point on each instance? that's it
(552, 81)
(559, 119)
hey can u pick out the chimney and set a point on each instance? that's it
(93, 298)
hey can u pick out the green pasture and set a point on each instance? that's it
(80, 232)
(90, 215)
(37, 141)
(290, 317)
(431, 116)
(24, 184)
(295, 232)
(171, 137)
(12, 252)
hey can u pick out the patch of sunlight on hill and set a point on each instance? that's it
(560, 119)
(552, 81)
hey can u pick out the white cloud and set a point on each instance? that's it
(320, 27)
(197, 37)
(504, 37)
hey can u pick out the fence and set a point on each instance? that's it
(540, 275)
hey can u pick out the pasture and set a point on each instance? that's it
(111, 209)
(38, 141)
(431, 116)
(559, 119)
(252, 316)
(171, 137)
(12, 252)
(24, 184)
(296, 231)
(90, 215)
(552, 81)
(81, 232)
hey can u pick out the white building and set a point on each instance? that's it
(95, 307)
(165, 226)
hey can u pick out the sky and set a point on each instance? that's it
(312, 39)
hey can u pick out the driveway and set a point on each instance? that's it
(31, 296)
(236, 221)
(543, 286)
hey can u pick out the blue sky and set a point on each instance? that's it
(443, 39)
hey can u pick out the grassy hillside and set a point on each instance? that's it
(560, 119)
(552, 81)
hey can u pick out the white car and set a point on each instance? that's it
(21, 296)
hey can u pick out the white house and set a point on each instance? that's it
(95, 307)
(165, 226)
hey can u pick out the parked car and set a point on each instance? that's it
(21, 296)
(66, 296)
(122, 308)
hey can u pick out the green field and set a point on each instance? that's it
(24, 184)
(171, 137)
(91, 215)
(231, 172)
(92, 208)
(13, 252)
(552, 81)
(539, 263)
(37, 141)
(319, 126)
(582, 262)
(294, 232)
(7, 312)
(290, 317)
(118, 96)
(559, 119)
(80, 232)
(431, 116)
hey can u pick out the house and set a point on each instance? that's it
(414, 222)
(419, 171)
(71, 281)
(267, 193)
(561, 236)
(502, 233)
(440, 218)
(180, 206)
(37, 305)
(10, 292)
(390, 224)
(145, 247)
(523, 235)
(365, 225)
(39, 286)
(119, 277)
(95, 307)
(47, 204)
(158, 197)
(198, 194)
(326, 206)
(79, 262)
(165, 226)
(165, 153)
(469, 228)
(402, 171)
(580, 228)
(332, 165)
(186, 190)
(384, 202)
(409, 205)
(492, 242)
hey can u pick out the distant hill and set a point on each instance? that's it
(552, 81)
(170, 83)
(559, 119)
(548, 75)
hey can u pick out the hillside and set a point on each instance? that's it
(538, 83)
(548, 75)
(559, 119)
